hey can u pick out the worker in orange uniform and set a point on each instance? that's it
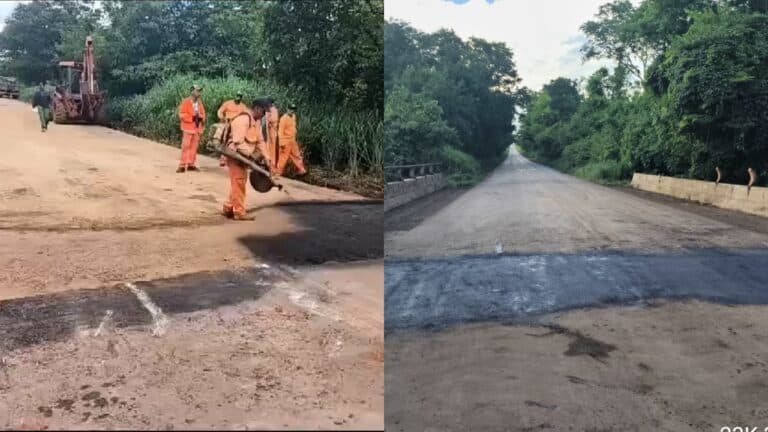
(246, 138)
(192, 116)
(289, 146)
(228, 111)
(273, 117)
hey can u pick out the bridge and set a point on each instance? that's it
(407, 183)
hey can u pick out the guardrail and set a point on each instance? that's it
(403, 172)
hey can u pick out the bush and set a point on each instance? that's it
(604, 172)
(335, 139)
(27, 93)
(463, 169)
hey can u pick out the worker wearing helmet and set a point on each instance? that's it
(273, 117)
(192, 117)
(289, 146)
(246, 138)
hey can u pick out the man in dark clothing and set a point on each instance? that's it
(42, 101)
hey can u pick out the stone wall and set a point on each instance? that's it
(402, 192)
(723, 195)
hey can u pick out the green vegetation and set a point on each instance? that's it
(26, 93)
(325, 55)
(447, 100)
(689, 93)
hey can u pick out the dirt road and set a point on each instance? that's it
(528, 208)
(127, 302)
(538, 301)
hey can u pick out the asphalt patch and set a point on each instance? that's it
(54, 317)
(329, 232)
(516, 289)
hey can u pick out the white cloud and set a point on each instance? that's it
(543, 34)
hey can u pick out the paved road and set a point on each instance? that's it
(538, 301)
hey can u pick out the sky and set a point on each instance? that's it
(6, 7)
(544, 35)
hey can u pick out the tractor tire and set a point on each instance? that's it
(59, 113)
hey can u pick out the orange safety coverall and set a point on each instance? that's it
(230, 109)
(273, 117)
(191, 133)
(246, 137)
(227, 112)
(289, 147)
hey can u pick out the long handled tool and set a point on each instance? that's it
(260, 177)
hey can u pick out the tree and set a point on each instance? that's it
(564, 97)
(635, 37)
(414, 128)
(332, 49)
(704, 102)
(33, 33)
(400, 50)
(475, 83)
(716, 76)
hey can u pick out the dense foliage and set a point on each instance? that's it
(689, 93)
(447, 100)
(326, 55)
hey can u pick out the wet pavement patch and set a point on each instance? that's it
(585, 345)
(31, 320)
(434, 294)
(580, 344)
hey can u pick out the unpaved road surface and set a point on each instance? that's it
(528, 208)
(127, 302)
(538, 301)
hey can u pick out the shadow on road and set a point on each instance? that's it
(56, 317)
(409, 216)
(330, 232)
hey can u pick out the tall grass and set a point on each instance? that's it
(463, 169)
(338, 140)
(606, 172)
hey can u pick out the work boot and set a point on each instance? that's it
(181, 169)
(193, 168)
(239, 217)
(228, 213)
